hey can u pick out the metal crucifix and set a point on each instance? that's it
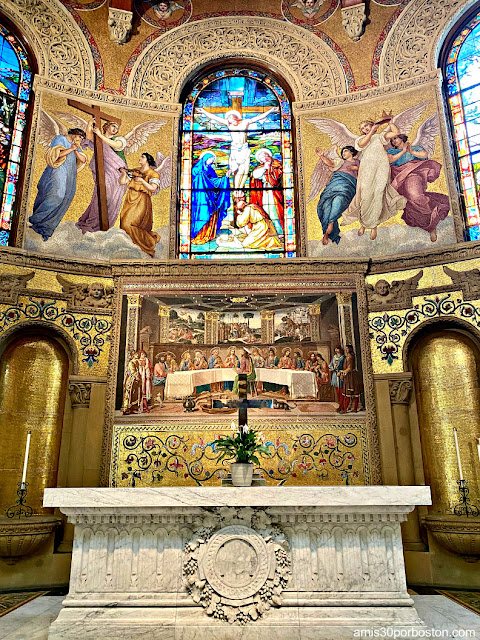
(98, 115)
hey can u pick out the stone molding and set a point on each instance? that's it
(119, 25)
(61, 49)
(411, 48)
(309, 267)
(79, 394)
(310, 66)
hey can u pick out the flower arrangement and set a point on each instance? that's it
(244, 444)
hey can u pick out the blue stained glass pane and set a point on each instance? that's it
(9, 68)
(471, 96)
(474, 144)
(474, 233)
(468, 61)
(473, 132)
(4, 238)
(15, 80)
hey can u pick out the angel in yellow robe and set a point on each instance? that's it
(136, 216)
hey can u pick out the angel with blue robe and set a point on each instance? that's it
(57, 186)
(375, 200)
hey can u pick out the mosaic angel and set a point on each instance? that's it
(375, 199)
(337, 175)
(115, 148)
(57, 186)
(412, 170)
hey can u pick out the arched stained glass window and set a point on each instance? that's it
(236, 181)
(15, 87)
(463, 85)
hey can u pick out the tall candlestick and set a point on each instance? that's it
(25, 461)
(460, 470)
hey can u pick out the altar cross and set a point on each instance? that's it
(99, 115)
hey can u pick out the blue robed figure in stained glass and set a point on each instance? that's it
(210, 199)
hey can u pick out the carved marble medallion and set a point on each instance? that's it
(237, 564)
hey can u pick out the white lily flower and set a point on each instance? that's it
(233, 426)
(245, 428)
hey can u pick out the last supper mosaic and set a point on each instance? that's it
(184, 354)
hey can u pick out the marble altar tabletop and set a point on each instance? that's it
(105, 498)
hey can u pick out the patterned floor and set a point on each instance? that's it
(10, 601)
(469, 599)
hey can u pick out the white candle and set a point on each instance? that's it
(460, 470)
(25, 461)
(478, 448)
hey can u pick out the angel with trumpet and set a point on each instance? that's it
(375, 199)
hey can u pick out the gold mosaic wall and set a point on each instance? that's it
(33, 385)
(88, 331)
(389, 330)
(307, 454)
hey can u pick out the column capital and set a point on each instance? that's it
(400, 391)
(134, 299)
(344, 297)
(267, 315)
(163, 311)
(79, 394)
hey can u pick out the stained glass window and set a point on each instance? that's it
(462, 73)
(15, 86)
(236, 182)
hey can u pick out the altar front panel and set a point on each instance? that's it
(310, 564)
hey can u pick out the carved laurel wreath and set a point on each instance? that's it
(256, 574)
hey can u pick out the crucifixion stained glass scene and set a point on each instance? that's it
(236, 174)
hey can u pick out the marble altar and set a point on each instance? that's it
(290, 563)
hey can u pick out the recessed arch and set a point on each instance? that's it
(412, 46)
(33, 389)
(45, 329)
(441, 323)
(445, 362)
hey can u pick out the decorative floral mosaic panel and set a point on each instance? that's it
(184, 455)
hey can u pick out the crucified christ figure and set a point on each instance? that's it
(239, 160)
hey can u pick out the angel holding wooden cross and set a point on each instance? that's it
(115, 148)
